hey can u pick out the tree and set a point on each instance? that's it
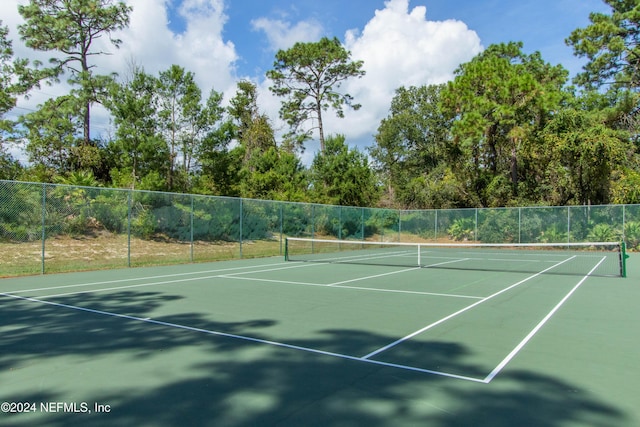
(138, 149)
(342, 176)
(583, 153)
(253, 129)
(274, 175)
(309, 75)
(184, 122)
(51, 137)
(501, 99)
(610, 44)
(413, 141)
(72, 27)
(16, 78)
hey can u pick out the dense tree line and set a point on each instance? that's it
(509, 129)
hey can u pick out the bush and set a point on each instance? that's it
(602, 233)
(632, 235)
(498, 226)
(462, 229)
(143, 225)
(553, 234)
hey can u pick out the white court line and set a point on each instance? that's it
(285, 282)
(535, 330)
(134, 279)
(396, 291)
(245, 338)
(447, 262)
(469, 307)
(373, 277)
(191, 279)
(287, 266)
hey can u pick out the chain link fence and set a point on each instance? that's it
(54, 228)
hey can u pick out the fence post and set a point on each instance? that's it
(192, 207)
(475, 232)
(129, 213)
(519, 225)
(240, 223)
(624, 235)
(568, 224)
(44, 223)
(281, 226)
(339, 222)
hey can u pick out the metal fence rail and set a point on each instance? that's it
(55, 228)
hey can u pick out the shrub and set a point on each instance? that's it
(602, 233)
(632, 235)
(462, 229)
(553, 234)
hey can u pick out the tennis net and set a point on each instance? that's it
(594, 258)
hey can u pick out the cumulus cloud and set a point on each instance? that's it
(400, 47)
(283, 35)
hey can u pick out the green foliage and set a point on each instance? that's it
(187, 125)
(413, 150)
(632, 235)
(582, 153)
(273, 175)
(505, 132)
(626, 187)
(462, 229)
(16, 78)
(498, 226)
(309, 75)
(610, 44)
(20, 212)
(143, 224)
(553, 234)
(501, 99)
(70, 28)
(603, 233)
(138, 148)
(341, 176)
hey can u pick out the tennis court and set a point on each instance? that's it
(275, 342)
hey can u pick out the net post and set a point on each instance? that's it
(623, 259)
(286, 249)
(419, 248)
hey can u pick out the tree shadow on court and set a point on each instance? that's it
(152, 374)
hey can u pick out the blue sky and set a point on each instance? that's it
(541, 25)
(402, 42)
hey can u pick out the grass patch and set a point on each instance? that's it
(66, 254)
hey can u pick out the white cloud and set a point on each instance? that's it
(201, 49)
(283, 35)
(399, 47)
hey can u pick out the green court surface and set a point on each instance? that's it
(267, 342)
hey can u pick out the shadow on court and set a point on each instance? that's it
(151, 374)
